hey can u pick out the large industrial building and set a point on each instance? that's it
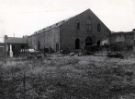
(77, 32)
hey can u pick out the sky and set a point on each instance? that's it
(24, 17)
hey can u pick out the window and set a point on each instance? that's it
(98, 27)
(78, 25)
(89, 24)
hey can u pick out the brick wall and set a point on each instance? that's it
(70, 32)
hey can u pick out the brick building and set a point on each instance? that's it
(77, 32)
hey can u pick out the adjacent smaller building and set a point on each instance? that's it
(2, 50)
(123, 40)
(15, 45)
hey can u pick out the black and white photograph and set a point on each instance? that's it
(67, 49)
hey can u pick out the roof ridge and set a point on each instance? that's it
(61, 22)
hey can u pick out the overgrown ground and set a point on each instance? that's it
(68, 77)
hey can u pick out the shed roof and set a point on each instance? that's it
(1, 44)
(15, 40)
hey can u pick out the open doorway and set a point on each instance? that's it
(88, 41)
(77, 44)
(98, 43)
(57, 47)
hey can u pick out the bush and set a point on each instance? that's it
(116, 47)
(115, 55)
(65, 51)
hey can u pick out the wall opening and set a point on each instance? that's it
(57, 46)
(88, 41)
(78, 25)
(77, 44)
(98, 27)
(38, 45)
(98, 43)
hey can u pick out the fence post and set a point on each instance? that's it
(5, 47)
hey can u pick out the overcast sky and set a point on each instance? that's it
(23, 17)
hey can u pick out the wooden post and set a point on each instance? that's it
(5, 47)
(24, 85)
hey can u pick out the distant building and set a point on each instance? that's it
(15, 45)
(78, 32)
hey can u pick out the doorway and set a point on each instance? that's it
(77, 44)
(88, 41)
(57, 46)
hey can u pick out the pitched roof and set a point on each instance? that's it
(15, 40)
(1, 44)
(58, 23)
(63, 21)
(52, 26)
